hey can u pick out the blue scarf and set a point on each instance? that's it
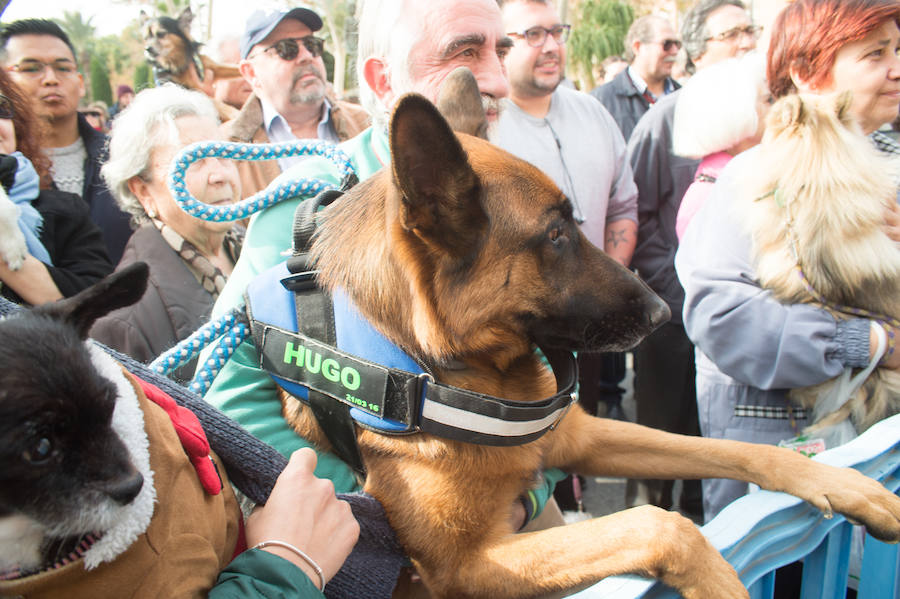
(24, 190)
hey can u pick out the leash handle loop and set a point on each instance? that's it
(242, 151)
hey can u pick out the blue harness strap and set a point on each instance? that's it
(401, 398)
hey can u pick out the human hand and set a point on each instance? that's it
(892, 221)
(304, 511)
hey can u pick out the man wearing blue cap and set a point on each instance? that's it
(282, 61)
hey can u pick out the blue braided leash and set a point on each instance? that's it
(241, 151)
(233, 327)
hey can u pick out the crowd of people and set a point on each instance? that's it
(649, 160)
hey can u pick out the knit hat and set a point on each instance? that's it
(122, 90)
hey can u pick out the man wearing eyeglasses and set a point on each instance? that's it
(281, 59)
(41, 60)
(575, 141)
(664, 371)
(651, 47)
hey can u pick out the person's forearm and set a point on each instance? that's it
(32, 282)
(620, 239)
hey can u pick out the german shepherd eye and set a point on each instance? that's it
(161, 34)
(40, 452)
(557, 236)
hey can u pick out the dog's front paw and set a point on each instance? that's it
(861, 499)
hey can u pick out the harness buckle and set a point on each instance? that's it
(421, 379)
(301, 281)
(573, 397)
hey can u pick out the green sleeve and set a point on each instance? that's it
(258, 573)
(541, 495)
(242, 390)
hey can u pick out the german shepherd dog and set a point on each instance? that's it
(176, 57)
(468, 258)
(825, 219)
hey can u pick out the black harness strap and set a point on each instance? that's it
(315, 318)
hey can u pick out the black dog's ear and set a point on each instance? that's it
(441, 192)
(460, 103)
(184, 20)
(120, 289)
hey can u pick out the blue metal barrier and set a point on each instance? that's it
(764, 530)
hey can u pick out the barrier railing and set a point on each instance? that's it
(764, 530)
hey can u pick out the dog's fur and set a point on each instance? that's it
(462, 254)
(12, 242)
(176, 57)
(833, 187)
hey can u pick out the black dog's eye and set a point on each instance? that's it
(40, 452)
(161, 34)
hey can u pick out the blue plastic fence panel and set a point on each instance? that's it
(763, 531)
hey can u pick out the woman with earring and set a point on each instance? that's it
(65, 250)
(189, 258)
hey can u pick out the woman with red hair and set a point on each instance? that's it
(751, 348)
(822, 47)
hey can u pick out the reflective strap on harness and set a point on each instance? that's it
(414, 399)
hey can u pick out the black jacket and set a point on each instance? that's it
(114, 224)
(624, 102)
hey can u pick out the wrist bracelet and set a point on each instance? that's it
(302, 555)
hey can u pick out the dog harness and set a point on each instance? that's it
(335, 361)
(350, 375)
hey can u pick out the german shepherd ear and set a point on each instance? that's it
(441, 193)
(459, 101)
(120, 289)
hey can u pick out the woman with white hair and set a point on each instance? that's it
(190, 259)
(721, 112)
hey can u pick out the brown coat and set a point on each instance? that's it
(348, 119)
(191, 537)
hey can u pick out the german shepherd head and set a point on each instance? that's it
(815, 197)
(461, 250)
(175, 56)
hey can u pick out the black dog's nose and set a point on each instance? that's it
(123, 490)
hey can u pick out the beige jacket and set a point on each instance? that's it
(349, 120)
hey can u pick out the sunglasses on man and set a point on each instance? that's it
(667, 45)
(289, 48)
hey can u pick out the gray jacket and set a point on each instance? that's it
(173, 307)
(750, 347)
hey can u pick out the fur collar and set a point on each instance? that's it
(131, 520)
